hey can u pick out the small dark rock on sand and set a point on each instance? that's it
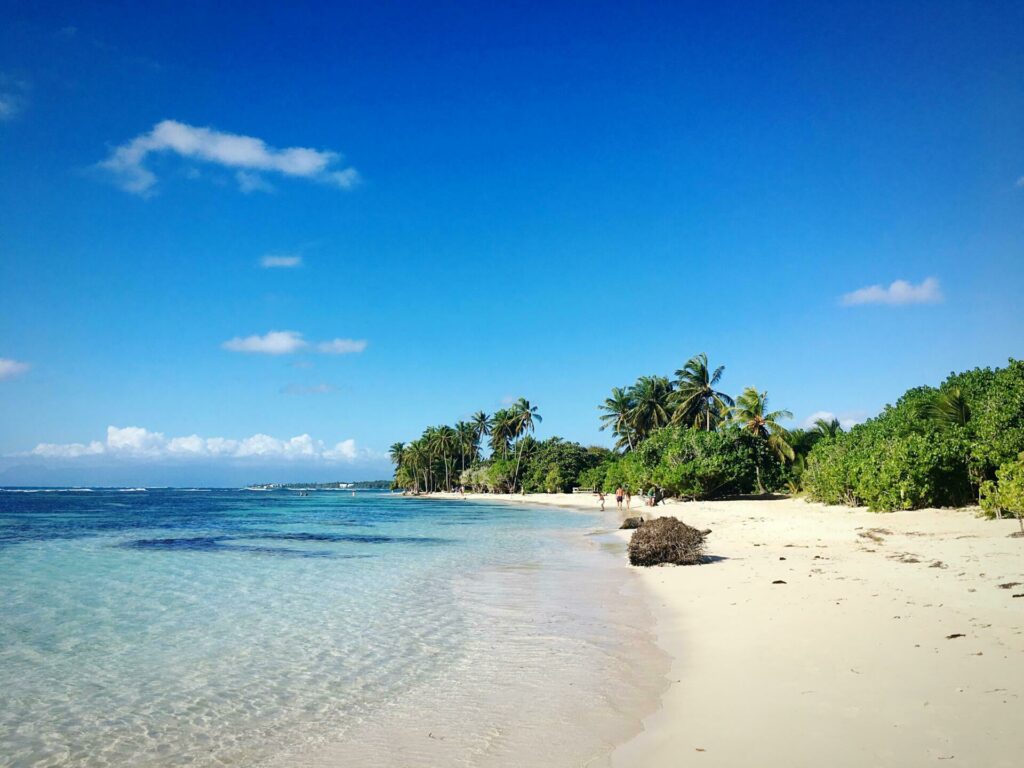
(666, 540)
(631, 522)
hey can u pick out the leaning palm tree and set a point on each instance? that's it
(395, 451)
(616, 415)
(652, 409)
(752, 415)
(827, 427)
(696, 401)
(524, 419)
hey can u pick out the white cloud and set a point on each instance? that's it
(250, 156)
(341, 346)
(13, 97)
(10, 368)
(898, 292)
(1020, 182)
(343, 451)
(67, 450)
(140, 444)
(287, 342)
(845, 420)
(273, 343)
(270, 261)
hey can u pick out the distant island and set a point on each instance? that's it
(360, 485)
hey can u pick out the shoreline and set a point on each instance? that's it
(890, 640)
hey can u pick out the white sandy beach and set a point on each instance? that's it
(891, 641)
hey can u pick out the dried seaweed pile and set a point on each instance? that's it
(666, 540)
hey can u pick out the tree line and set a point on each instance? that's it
(958, 443)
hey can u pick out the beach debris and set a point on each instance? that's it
(938, 564)
(955, 635)
(631, 522)
(1009, 585)
(875, 534)
(666, 540)
(778, 581)
(1019, 594)
(782, 558)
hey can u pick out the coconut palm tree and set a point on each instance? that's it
(616, 415)
(524, 419)
(827, 427)
(947, 407)
(395, 451)
(445, 440)
(481, 425)
(502, 432)
(466, 439)
(752, 415)
(696, 401)
(652, 408)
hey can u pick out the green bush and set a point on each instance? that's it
(1006, 493)
(908, 457)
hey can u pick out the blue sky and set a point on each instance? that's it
(544, 200)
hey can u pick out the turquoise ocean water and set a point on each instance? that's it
(233, 627)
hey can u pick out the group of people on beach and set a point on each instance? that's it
(624, 500)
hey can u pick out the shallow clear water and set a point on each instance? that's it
(170, 627)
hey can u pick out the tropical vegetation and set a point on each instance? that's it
(961, 442)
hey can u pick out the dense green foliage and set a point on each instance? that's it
(934, 447)
(947, 446)
(1005, 495)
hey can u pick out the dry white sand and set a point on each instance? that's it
(893, 640)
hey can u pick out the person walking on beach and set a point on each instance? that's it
(628, 499)
(600, 497)
(618, 498)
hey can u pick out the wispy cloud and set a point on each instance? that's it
(13, 97)
(271, 261)
(252, 182)
(897, 293)
(250, 156)
(272, 343)
(288, 342)
(140, 444)
(10, 368)
(341, 346)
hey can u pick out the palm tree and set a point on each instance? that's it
(416, 459)
(444, 441)
(652, 408)
(947, 407)
(696, 400)
(524, 417)
(616, 415)
(395, 451)
(502, 432)
(466, 438)
(752, 415)
(827, 427)
(481, 425)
